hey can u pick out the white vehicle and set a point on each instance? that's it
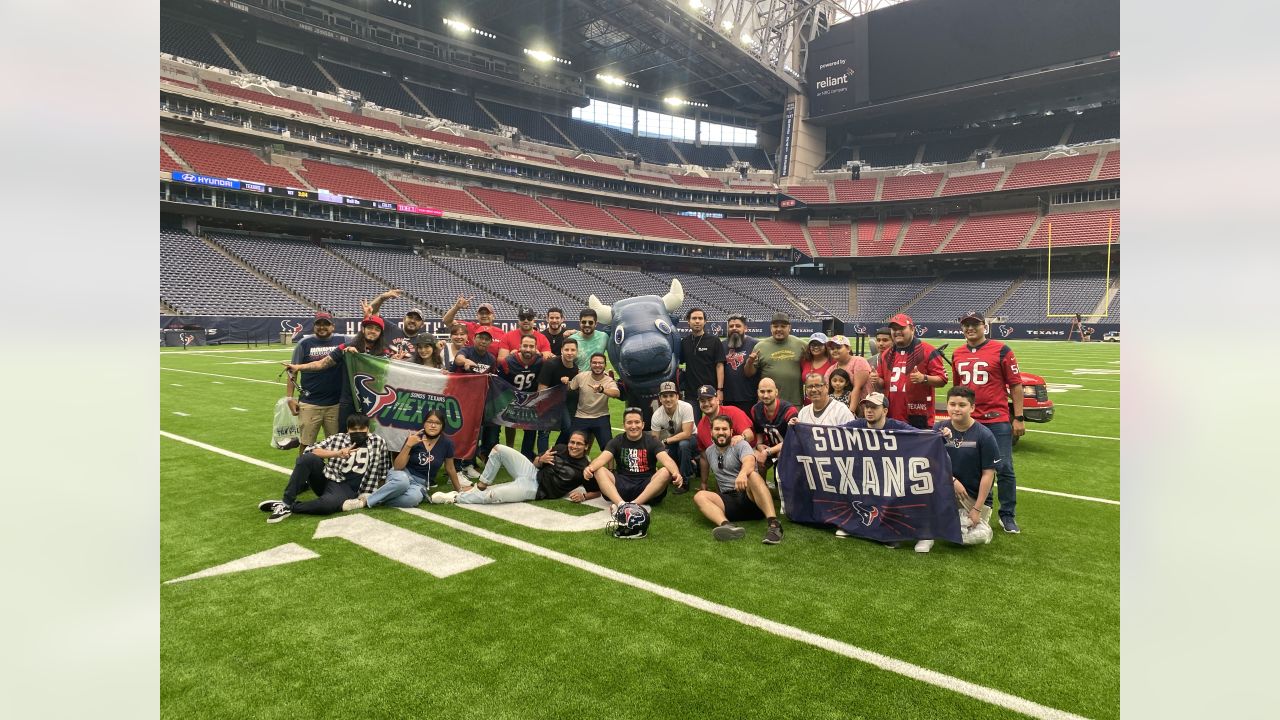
(1111, 336)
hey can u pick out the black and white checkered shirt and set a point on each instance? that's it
(373, 461)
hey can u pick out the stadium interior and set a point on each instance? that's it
(379, 153)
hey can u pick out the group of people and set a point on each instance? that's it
(727, 416)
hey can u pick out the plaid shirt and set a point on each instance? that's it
(375, 472)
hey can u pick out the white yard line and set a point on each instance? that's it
(875, 659)
(239, 409)
(1069, 495)
(230, 377)
(181, 414)
(1094, 437)
(1091, 407)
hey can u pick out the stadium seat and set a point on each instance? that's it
(347, 180)
(1001, 231)
(908, 187)
(1054, 171)
(262, 98)
(228, 161)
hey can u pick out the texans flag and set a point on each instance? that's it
(511, 407)
(397, 395)
(883, 485)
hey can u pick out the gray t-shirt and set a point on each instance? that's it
(726, 472)
(659, 423)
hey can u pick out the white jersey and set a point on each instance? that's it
(836, 413)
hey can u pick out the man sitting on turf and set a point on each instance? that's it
(555, 473)
(637, 453)
(337, 469)
(742, 493)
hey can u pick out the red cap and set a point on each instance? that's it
(322, 315)
(901, 320)
(374, 320)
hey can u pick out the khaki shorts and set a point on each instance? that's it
(311, 417)
(966, 504)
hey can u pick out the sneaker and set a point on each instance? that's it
(728, 531)
(353, 504)
(364, 498)
(773, 535)
(279, 511)
(891, 545)
(444, 498)
(680, 490)
(771, 484)
(1010, 526)
(471, 472)
(840, 533)
(267, 505)
(924, 546)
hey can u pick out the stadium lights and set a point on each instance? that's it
(616, 81)
(671, 100)
(401, 3)
(745, 38)
(543, 56)
(727, 25)
(459, 26)
(695, 4)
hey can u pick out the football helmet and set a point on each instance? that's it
(630, 522)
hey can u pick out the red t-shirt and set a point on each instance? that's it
(988, 370)
(741, 424)
(494, 331)
(905, 397)
(510, 341)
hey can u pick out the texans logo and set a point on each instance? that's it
(717, 330)
(371, 400)
(860, 329)
(735, 359)
(187, 338)
(867, 516)
(921, 330)
(521, 398)
(1006, 330)
(290, 326)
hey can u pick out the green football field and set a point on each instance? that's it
(446, 611)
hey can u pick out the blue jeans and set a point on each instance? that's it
(402, 490)
(1006, 483)
(599, 427)
(685, 451)
(523, 486)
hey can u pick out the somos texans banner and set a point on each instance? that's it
(883, 485)
(397, 395)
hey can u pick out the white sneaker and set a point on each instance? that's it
(924, 546)
(364, 498)
(471, 472)
(842, 534)
(444, 498)
(353, 504)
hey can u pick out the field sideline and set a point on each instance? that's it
(561, 623)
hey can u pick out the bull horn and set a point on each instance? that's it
(604, 315)
(674, 297)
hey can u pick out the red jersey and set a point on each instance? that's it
(905, 397)
(988, 370)
(741, 424)
(511, 341)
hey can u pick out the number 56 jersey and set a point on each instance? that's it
(988, 370)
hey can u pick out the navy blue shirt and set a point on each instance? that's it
(319, 387)
(485, 362)
(971, 451)
(523, 377)
(425, 464)
(737, 386)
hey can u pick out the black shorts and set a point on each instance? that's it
(737, 506)
(630, 488)
(921, 422)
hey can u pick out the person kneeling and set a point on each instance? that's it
(637, 454)
(337, 469)
(742, 493)
(553, 474)
(415, 468)
(974, 457)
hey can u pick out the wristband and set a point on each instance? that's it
(1020, 418)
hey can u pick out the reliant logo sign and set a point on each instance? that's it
(837, 77)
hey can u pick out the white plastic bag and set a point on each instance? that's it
(284, 431)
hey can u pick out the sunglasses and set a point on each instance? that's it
(720, 462)
(631, 410)
(587, 323)
(671, 426)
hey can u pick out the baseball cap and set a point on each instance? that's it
(322, 315)
(883, 331)
(839, 340)
(707, 391)
(876, 398)
(415, 311)
(374, 320)
(527, 314)
(973, 316)
(667, 387)
(485, 333)
(484, 306)
(901, 320)
(780, 319)
(819, 338)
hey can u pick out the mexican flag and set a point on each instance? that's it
(506, 405)
(397, 395)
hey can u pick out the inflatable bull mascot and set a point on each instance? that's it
(643, 343)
